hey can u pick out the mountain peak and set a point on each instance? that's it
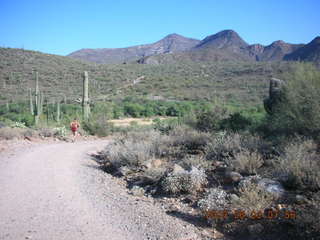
(278, 43)
(173, 35)
(316, 40)
(227, 32)
(223, 39)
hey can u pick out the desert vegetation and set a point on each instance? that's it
(239, 166)
(241, 172)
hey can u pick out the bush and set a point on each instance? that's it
(223, 146)
(299, 166)
(8, 133)
(135, 149)
(189, 139)
(307, 222)
(247, 162)
(236, 122)
(184, 181)
(210, 120)
(298, 111)
(98, 126)
(215, 199)
(46, 132)
(165, 126)
(252, 198)
(196, 161)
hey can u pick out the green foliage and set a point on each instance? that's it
(299, 110)
(98, 126)
(210, 120)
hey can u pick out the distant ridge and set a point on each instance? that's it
(169, 44)
(308, 52)
(225, 45)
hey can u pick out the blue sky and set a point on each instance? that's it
(61, 27)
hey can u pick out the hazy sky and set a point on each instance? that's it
(61, 27)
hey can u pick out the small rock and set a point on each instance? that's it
(249, 180)
(217, 234)
(218, 163)
(272, 186)
(299, 199)
(156, 163)
(123, 171)
(233, 177)
(255, 229)
(233, 197)
(137, 191)
(177, 169)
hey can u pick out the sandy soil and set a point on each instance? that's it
(56, 191)
(140, 121)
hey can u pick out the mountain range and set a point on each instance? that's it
(226, 45)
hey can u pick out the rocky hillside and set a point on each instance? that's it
(227, 45)
(61, 77)
(170, 44)
(309, 52)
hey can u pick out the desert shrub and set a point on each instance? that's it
(18, 125)
(155, 173)
(189, 138)
(133, 109)
(223, 146)
(30, 133)
(165, 126)
(184, 181)
(135, 148)
(307, 222)
(189, 119)
(8, 133)
(210, 120)
(214, 199)
(98, 126)
(46, 132)
(247, 162)
(128, 153)
(198, 161)
(2, 124)
(298, 111)
(252, 198)
(60, 131)
(236, 122)
(175, 183)
(299, 165)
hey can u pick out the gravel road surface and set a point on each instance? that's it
(55, 191)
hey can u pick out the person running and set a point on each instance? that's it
(74, 126)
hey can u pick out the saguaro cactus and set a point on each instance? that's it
(85, 97)
(37, 88)
(31, 102)
(58, 112)
(39, 98)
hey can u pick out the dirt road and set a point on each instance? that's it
(55, 191)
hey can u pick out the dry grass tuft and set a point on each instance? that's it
(247, 162)
(299, 166)
(253, 198)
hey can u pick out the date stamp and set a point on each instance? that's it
(253, 214)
